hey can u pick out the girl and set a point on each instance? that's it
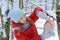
(24, 27)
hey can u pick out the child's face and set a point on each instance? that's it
(23, 19)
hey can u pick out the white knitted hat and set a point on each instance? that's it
(15, 14)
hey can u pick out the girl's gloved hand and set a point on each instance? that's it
(49, 26)
(50, 22)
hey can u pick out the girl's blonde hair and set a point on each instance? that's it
(28, 20)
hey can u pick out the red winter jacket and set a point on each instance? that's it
(30, 33)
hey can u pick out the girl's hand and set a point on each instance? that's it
(50, 22)
(49, 26)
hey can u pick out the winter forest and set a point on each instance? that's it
(52, 7)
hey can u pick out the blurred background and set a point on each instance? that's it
(6, 32)
(58, 15)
